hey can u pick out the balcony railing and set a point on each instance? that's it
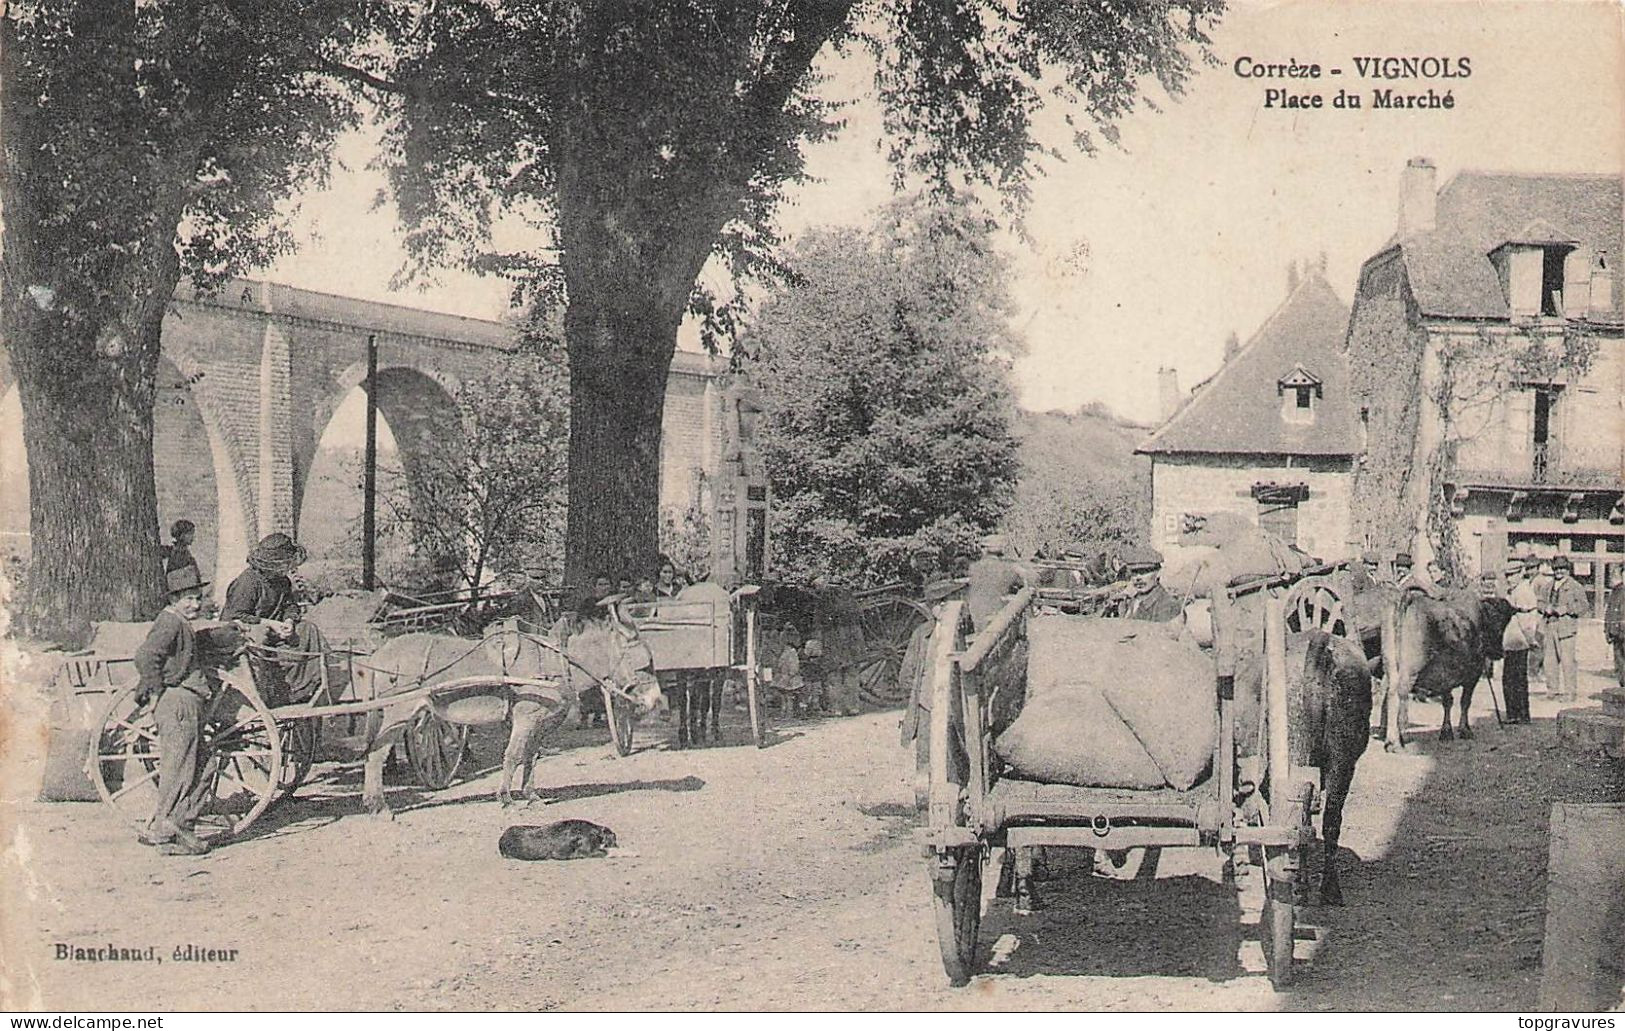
(1540, 466)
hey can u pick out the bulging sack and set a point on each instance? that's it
(1112, 703)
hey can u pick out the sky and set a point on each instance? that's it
(1188, 227)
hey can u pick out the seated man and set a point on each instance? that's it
(262, 601)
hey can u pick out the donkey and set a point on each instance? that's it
(609, 649)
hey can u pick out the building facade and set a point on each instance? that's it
(1271, 436)
(1485, 345)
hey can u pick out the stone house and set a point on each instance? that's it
(1488, 370)
(1271, 436)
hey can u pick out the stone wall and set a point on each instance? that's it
(1204, 484)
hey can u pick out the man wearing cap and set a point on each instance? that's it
(1517, 640)
(993, 578)
(1539, 571)
(170, 672)
(1563, 605)
(262, 596)
(916, 669)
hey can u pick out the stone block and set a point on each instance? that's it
(1590, 729)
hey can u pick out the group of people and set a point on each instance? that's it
(816, 671)
(1539, 641)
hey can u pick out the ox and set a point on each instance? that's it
(1329, 697)
(1442, 643)
(611, 650)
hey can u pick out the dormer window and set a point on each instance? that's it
(1531, 271)
(1298, 390)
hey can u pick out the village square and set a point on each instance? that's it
(761, 506)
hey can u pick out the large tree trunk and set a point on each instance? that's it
(93, 513)
(619, 362)
(86, 282)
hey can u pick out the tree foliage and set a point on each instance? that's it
(884, 374)
(647, 139)
(488, 496)
(143, 143)
(1081, 485)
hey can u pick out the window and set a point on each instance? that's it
(1543, 426)
(1278, 508)
(1298, 390)
(1279, 518)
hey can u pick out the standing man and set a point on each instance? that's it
(1563, 606)
(1516, 641)
(262, 599)
(841, 620)
(171, 672)
(1541, 663)
(179, 554)
(1613, 624)
(915, 671)
(993, 578)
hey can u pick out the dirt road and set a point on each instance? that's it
(776, 879)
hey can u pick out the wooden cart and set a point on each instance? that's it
(254, 754)
(973, 804)
(705, 628)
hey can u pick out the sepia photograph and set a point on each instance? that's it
(735, 506)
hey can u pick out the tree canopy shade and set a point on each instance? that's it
(884, 379)
(649, 137)
(143, 142)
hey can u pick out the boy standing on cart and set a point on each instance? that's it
(170, 671)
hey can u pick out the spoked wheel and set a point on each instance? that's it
(434, 748)
(887, 623)
(956, 896)
(622, 717)
(301, 744)
(1313, 604)
(240, 760)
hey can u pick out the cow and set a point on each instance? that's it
(1435, 644)
(609, 648)
(1329, 696)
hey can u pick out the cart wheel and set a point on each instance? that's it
(301, 744)
(622, 718)
(887, 625)
(434, 748)
(1313, 604)
(240, 753)
(957, 899)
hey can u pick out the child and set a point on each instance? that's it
(171, 673)
(787, 671)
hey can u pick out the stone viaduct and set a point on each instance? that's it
(251, 376)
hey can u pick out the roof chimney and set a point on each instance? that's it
(1168, 392)
(1417, 197)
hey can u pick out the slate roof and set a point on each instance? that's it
(1450, 271)
(1238, 410)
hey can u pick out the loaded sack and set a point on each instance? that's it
(1112, 703)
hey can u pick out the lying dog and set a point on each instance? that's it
(566, 839)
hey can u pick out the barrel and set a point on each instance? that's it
(1583, 955)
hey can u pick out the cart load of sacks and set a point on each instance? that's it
(1112, 703)
(1128, 704)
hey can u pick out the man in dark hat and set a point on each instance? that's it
(262, 600)
(1563, 605)
(1613, 623)
(916, 667)
(1516, 641)
(170, 671)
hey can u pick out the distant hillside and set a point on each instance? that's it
(1081, 483)
(1093, 440)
